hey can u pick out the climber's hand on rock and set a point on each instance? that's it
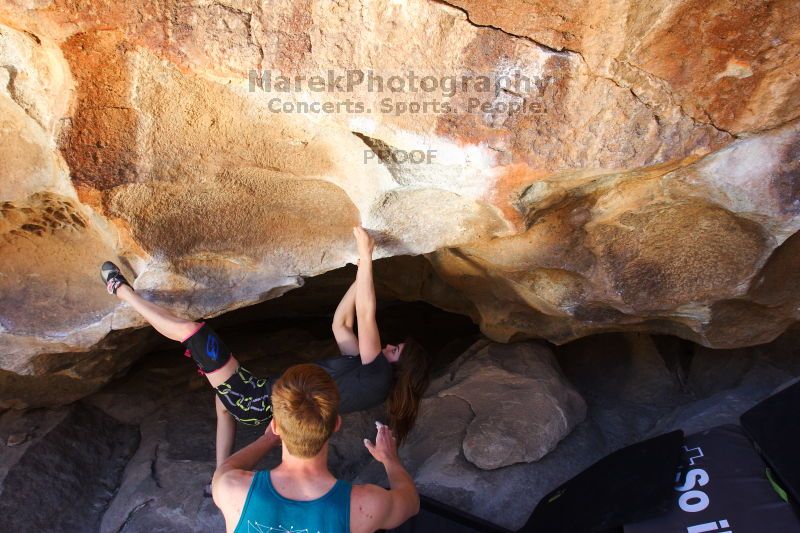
(385, 448)
(365, 242)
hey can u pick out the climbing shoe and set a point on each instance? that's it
(112, 277)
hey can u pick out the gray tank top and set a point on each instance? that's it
(360, 386)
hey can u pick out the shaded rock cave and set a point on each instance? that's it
(622, 261)
(151, 447)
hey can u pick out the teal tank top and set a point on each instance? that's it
(267, 511)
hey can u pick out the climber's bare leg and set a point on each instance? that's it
(226, 432)
(175, 328)
(169, 325)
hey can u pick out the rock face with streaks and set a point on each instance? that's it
(564, 171)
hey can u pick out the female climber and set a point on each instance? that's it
(365, 373)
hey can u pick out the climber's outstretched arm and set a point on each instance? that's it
(369, 339)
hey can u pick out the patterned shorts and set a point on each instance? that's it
(247, 398)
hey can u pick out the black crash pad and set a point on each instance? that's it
(631, 484)
(721, 487)
(774, 427)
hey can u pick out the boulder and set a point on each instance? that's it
(521, 404)
(435, 457)
(501, 424)
(667, 56)
(584, 176)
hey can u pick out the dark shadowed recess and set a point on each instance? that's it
(635, 385)
(310, 308)
(269, 337)
(65, 481)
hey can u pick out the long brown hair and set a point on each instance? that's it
(411, 378)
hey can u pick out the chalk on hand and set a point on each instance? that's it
(378, 425)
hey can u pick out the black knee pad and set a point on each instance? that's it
(207, 349)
